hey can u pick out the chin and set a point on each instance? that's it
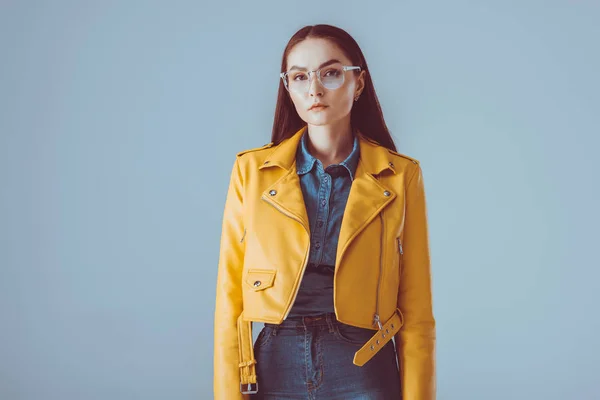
(318, 120)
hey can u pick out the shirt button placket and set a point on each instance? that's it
(322, 214)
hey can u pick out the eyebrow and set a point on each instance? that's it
(332, 61)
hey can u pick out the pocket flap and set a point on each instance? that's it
(259, 279)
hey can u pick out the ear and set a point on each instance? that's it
(360, 82)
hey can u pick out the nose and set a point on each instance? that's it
(315, 88)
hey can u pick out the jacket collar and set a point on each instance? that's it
(373, 157)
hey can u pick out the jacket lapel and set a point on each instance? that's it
(286, 193)
(368, 196)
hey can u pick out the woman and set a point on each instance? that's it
(325, 241)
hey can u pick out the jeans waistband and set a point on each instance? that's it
(323, 319)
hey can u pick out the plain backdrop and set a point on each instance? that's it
(119, 124)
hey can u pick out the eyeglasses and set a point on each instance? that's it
(331, 77)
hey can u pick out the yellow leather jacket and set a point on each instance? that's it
(382, 275)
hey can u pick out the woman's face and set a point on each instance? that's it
(309, 55)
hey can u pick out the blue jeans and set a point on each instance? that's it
(311, 358)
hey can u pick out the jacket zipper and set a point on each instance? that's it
(376, 319)
(305, 257)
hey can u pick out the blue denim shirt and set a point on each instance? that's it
(325, 195)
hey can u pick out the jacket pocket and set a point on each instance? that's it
(260, 279)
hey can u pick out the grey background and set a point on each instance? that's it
(119, 123)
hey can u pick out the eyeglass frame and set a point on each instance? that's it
(318, 71)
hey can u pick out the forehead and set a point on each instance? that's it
(311, 53)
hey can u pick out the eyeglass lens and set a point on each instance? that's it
(331, 77)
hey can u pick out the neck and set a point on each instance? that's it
(332, 143)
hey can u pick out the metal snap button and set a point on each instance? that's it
(386, 193)
(273, 192)
(377, 341)
(256, 283)
(391, 164)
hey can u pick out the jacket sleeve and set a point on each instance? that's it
(228, 305)
(416, 339)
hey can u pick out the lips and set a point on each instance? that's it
(317, 107)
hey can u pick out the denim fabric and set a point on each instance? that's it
(325, 192)
(311, 358)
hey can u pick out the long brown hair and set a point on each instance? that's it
(366, 114)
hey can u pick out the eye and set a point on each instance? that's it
(298, 77)
(332, 72)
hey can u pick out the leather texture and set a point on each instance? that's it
(382, 271)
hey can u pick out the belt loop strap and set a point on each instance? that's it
(379, 339)
(248, 384)
(329, 322)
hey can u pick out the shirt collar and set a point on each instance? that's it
(306, 161)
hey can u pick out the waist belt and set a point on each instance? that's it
(247, 362)
(248, 384)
